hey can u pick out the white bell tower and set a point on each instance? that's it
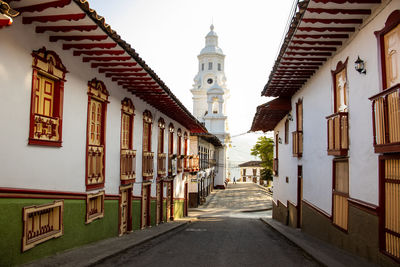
(210, 95)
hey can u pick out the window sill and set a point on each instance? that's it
(38, 142)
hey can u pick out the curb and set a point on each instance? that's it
(184, 223)
(292, 241)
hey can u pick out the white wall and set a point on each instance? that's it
(317, 97)
(62, 169)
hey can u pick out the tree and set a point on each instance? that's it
(264, 149)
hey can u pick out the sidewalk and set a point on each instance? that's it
(326, 254)
(95, 252)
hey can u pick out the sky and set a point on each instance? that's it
(169, 35)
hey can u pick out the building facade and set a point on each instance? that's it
(210, 95)
(336, 80)
(93, 143)
(250, 172)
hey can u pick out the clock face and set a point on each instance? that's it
(210, 81)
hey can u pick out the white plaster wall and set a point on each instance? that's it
(62, 169)
(317, 97)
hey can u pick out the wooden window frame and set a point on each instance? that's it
(161, 156)
(339, 68)
(297, 146)
(96, 92)
(335, 192)
(286, 131)
(49, 233)
(47, 63)
(127, 154)
(147, 154)
(171, 131)
(90, 214)
(392, 21)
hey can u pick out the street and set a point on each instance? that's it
(227, 232)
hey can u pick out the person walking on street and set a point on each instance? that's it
(234, 180)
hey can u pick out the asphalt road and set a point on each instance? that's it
(228, 232)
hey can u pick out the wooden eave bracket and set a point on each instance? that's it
(5, 9)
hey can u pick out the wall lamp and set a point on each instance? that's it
(290, 117)
(359, 65)
(280, 140)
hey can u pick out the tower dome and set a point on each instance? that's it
(211, 43)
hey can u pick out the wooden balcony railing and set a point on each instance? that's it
(338, 134)
(95, 164)
(186, 163)
(297, 143)
(340, 210)
(179, 163)
(386, 120)
(46, 128)
(275, 166)
(170, 165)
(148, 163)
(196, 163)
(128, 164)
(161, 164)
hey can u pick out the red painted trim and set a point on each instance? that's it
(41, 7)
(53, 18)
(98, 52)
(328, 29)
(365, 206)
(88, 59)
(340, 11)
(42, 29)
(39, 191)
(102, 70)
(4, 22)
(315, 48)
(349, 1)
(329, 21)
(77, 38)
(89, 46)
(317, 36)
(112, 64)
(314, 43)
(320, 211)
(127, 74)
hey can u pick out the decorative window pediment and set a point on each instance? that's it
(98, 90)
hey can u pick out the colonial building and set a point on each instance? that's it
(210, 94)
(336, 81)
(93, 143)
(250, 171)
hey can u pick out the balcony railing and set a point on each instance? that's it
(297, 143)
(161, 164)
(95, 164)
(338, 134)
(275, 166)
(186, 163)
(195, 163)
(170, 165)
(179, 163)
(386, 120)
(46, 128)
(148, 163)
(128, 164)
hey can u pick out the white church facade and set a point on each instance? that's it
(210, 95)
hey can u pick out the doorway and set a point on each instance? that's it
(125, 209)
(299, 195)
(146, 191)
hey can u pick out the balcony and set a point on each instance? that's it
(297, 143)
(186, 163)
(170, 165)
(386, 120)
(95, 165)
(128, 165)
(195, 163)
(179, 163)
(45, 128)
(147, 165)
(161, 164)
(338, 134)
(275, 166)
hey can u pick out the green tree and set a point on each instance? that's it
(264, 149)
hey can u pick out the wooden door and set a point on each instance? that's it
(145, 208)
(148, 216)
(159, 203)
(299, 194)
(125, 210)
(169, 201)
(185, 207)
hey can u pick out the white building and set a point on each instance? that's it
(210, 95)
(93, 143)
(250, 171)
(336, 166)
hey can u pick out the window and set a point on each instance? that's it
(94, 206)
(219, 67)
(96, 127)
(179, 152)
(185, 145)
(244, 172)
(297, 136)
(170, 148)
(42, 223)
(340, 87)
(148, 156)
(287, 131)
(161, 156)
(215, 105)
(340, 192)
(48, 79)
(202, 66)
(210, 65)
(128, 155)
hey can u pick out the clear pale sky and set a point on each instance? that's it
(169, 35)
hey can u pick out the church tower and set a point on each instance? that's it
(210, 95)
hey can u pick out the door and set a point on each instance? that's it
(125, 210)
(168, 201)
(185, 207)
(159, 203)
(145, 206)
(299, 195)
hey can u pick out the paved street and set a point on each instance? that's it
(228, 232)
